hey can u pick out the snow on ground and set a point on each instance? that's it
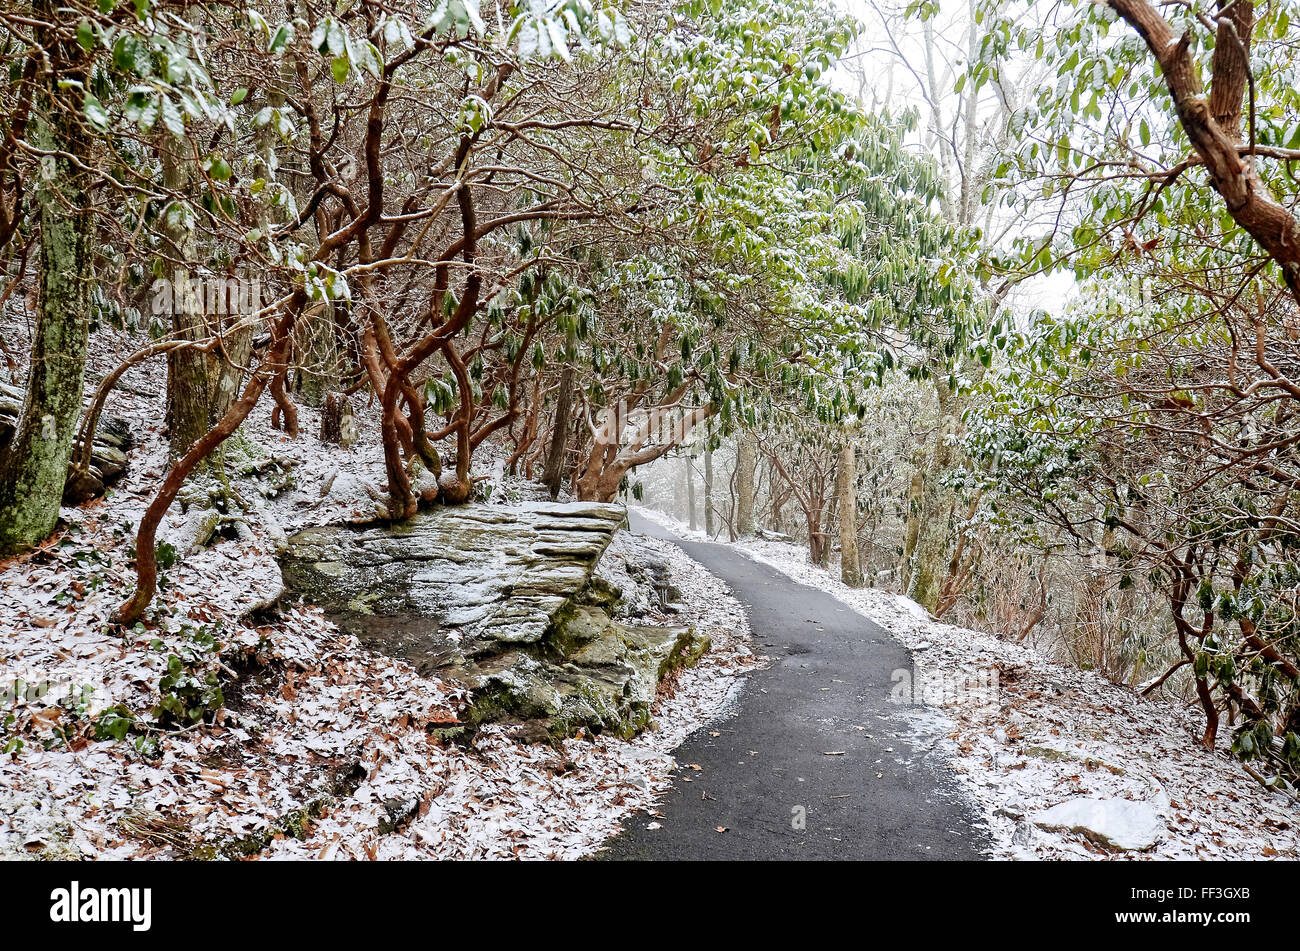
(317, 724)
(340, 705)
(316, 735)
(1024, 734)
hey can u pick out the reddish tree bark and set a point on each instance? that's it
(1214, 127)
(146, 556)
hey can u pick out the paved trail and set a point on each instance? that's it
(885, 796)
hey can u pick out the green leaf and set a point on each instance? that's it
(368, 58)
(281, 38)
(329, 38)
(124, 51)
(622, 32)
(86, 35)
(472, 14)
(219, 168)
(95, 112)
(171, 116)
(438, 17)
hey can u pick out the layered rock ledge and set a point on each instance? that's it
(504, 599)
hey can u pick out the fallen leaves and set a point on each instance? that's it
(334, 714)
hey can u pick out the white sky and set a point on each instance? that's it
(886, 68)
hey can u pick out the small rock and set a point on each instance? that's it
(1024, 835)
(532, 733)
(398, 812)
(1116, 824)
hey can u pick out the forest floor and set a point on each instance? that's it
(319, 747)
(1022, 734)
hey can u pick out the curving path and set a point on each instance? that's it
(886, 794)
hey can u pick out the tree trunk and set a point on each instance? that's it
(932, 504)
(813, 520)
(746, 460)
(337, 424)
(827, 531)
(776, 506)
(319, 358)
(1213, 127)
(146, 557)
(600, 485)
(553, 471)
(679, 490)
(708, 493)
(192, 372)
(34, 464)
(846, 489)
(912, 520)
(284, 414)
(235, 353)
(930, 555)
(613, 456)
(690, 493)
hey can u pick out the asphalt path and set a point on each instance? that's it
(815, 761)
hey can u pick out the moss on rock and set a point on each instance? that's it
(505, 599)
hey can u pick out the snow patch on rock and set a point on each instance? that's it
(1120, 824)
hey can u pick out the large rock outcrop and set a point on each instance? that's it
(504, 599)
